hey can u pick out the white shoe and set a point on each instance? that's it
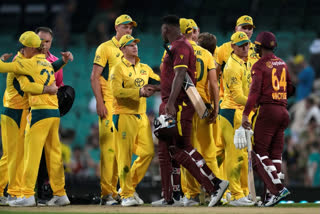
(58, 201)
(4, 201)
(128, 202)
(137, 198)
(276, 198)
(164, 203)
(217, 195)
(189, 202)
(23, 202)
(241, 202)
(108, 200)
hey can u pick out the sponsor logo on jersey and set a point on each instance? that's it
(139, 82)
(277, 63)
(143, 72)
(97, 59)
(130, 74)
(118, 54)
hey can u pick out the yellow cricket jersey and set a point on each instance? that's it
(126, 80)
(205, 63)
(15, 95)
(38, 70)
(236, 83)
(223, 54)
(107, 55)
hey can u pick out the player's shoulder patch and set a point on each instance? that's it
(269, 64)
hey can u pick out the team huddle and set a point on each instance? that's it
(197, 156)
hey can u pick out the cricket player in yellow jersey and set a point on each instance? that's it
(42, 123)
(13, 123)
(243, 24)
(108, 55)
(202, 131)
(236, 84)
(130, 83)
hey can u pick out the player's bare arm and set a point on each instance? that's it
(180, 74)
(218, 70)
(51, 89)
(214, 92)
(95, 84)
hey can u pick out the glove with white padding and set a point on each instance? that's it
(239, 139)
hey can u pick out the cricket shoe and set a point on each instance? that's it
(275, 199)
(241, 202)
(23, 202)
(108, 200)
(58, 201)
(164, 203)
(137, 198)
(4, 201)
(129, 202)
(217, 195)
(189, 202)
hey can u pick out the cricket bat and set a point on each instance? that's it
(195, 97)
(252, 188)
(192, 93)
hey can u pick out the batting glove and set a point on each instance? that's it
(239, 138)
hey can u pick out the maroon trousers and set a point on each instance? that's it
(178, 150)
(269, 126)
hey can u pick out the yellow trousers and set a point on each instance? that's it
(202, 140)
(132, 134)
(236, 161)
(42, 131)
(13, 123)
(108, 162)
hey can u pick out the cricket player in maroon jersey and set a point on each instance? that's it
(178, 61)
(271, 85)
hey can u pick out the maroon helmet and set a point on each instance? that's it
(266, 40)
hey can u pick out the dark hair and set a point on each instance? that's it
(44, 29)
(207, 41)
(172, 20)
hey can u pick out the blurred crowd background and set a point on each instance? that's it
(80, 26)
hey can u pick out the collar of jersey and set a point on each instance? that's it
(115, 42)
(39, 56)
(127, 63)
(19, 54)
(192, 42)
(237, 59)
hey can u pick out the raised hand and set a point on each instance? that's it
(66, 56)
(5, 56)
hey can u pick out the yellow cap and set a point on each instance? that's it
(185, 26)
(245, 20)
(127, 39)
(30, 39)
(239, 38)
(125, 19)
(298, 59)
(193, 24)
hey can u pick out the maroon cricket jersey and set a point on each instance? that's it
(182, 56)
(271, 83)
